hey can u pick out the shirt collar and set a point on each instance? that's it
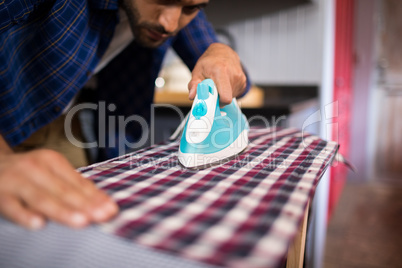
(105, 4)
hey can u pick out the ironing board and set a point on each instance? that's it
(244, 213)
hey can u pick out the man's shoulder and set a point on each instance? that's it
(14, 13)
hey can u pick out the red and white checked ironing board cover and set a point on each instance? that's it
(243, 213)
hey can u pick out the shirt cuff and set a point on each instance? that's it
(248, 83)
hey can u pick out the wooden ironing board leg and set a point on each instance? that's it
(296, 250)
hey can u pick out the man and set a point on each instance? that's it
(49, 50)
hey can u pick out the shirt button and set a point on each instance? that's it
(89, 73)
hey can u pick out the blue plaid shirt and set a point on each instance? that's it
(49, 50)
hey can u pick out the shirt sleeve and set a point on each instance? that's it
(15, 12)
(194, 39)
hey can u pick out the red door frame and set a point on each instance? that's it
(343, 73)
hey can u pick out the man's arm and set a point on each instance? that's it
(198, 46)
(41, 185)
(14, 12)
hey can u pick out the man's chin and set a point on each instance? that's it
(149, 43)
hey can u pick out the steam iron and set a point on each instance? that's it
(212, 135)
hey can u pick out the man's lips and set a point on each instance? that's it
(154, 35)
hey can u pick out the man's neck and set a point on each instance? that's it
(122, 37)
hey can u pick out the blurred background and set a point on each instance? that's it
(332, 68)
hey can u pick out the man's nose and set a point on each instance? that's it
(169, 18)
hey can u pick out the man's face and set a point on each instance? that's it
(153, 21)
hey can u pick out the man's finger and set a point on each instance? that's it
(95, 202)
(40, 201)
(58, 180)
(192, 86)
(98, 205)
(13, 210)
(224, 88)
(61, 189)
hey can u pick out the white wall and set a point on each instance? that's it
(364, 34)
(282, 48)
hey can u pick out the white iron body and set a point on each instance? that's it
(211, 134)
